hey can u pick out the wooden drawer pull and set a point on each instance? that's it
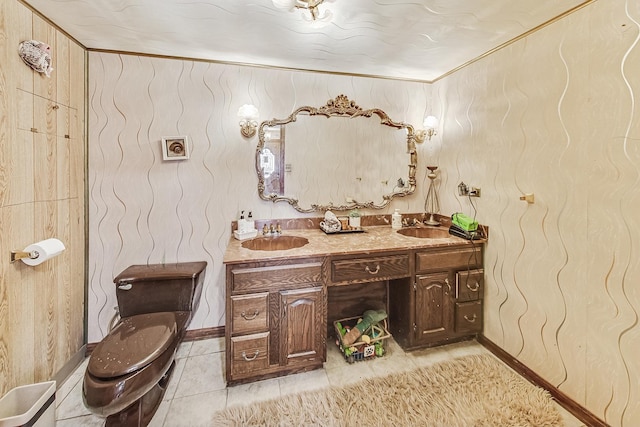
(474, 288)
(472, 319)
(250, 359)
(245, 317)
(374, 271)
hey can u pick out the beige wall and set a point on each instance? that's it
(552, 114)
(146, 210)
(41, 196)
(555, 114)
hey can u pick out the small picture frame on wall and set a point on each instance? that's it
(175, 148)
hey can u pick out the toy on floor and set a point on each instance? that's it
(369, 318)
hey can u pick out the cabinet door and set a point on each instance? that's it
(303, 325)
(433, 308)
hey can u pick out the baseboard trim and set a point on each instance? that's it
(190, 335)
(68, 368)
(204, 333)
(565, 401)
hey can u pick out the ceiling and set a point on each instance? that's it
(403, 39)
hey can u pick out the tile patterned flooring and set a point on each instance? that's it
(199, 377)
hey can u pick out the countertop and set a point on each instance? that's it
(373, 239)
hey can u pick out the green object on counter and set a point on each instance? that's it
(464, 222)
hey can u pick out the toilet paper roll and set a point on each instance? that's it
(46, 249)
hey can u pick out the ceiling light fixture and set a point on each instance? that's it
(316, 15)
(312, 7)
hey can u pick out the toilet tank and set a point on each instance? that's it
(160, 287)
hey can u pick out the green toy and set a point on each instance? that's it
(369, 318)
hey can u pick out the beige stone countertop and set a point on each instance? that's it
(373, 239)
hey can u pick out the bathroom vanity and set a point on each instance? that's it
(281, 303)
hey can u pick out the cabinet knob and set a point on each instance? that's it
(368, 270)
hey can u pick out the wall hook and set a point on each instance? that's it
(529, 198)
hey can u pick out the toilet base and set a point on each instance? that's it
(139, 414)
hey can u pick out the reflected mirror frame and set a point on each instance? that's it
(341, 106)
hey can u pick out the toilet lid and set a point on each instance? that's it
(134, 343)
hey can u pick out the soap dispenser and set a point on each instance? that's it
(396, 219)
(251, 224)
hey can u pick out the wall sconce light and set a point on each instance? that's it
(430, 124)
(248, 115)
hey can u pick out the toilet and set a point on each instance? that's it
(129, 369)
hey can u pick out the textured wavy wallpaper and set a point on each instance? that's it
(556, 114)
(146, 210)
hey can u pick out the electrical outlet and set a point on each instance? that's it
(465, 190)
(474, 192)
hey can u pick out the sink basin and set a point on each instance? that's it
(425, 233)
(275, 243)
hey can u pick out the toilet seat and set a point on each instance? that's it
(135, 342)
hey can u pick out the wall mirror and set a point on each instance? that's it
(335, 157)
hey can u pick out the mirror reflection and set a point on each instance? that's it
(357, 159)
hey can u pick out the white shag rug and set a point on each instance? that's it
(471, 391)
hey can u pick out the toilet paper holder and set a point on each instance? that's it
(39, 252)
(16, 255)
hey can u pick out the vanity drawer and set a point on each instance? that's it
(469, 317)
(249, 353)
(469, 285)
(370, 269)
(275, 276)
(249, 313)
(448, 259)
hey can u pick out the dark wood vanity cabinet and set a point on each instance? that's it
(280, 311)
(442, 301)
(275, 317)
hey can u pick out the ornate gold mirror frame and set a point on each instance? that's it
(341, 106)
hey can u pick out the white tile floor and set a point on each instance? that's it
(199, 377)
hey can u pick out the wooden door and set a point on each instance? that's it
(303, 326)
(434, 314)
